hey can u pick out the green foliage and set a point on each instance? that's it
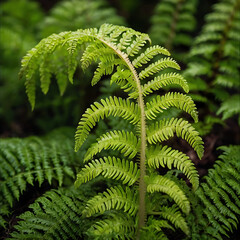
(173, 24)
(16, 37)
(55, 215)
(33, 161)
(117, 49)
(216, 205)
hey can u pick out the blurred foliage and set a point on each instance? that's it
(21, 30)
(17, 35)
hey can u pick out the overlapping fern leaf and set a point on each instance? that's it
(217, 205)
(123, 53)
(173, 24)
(215, 58)
(32, 160)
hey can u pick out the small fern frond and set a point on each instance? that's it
(167, 157)
(158, 66)
(124, 78)
(173, 215)
(178, 100)
(158, 183)
(165, 129)
(117, 198)
(109, 167)
(149, 53)
(120, 226)
(110, 106)
(124, 141)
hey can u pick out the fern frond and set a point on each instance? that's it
(119, 226)
(55, 215)
(114, 198)
(157, 183)
(218, 204)
(178, 100)
(23, 161)
(164, 129)
(109, 167)
(172, 25)
(124, 141)
(167, 157)
(158, 66)
(149, 53)
(110, 106)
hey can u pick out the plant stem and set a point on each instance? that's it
(142, 184)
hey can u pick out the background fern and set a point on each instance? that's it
(173, 24)
(55, 215)
(33, 161)
(216, 205)
(213, 70)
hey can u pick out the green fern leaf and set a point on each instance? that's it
(164, 129)
(110, 106)
(114, 198)
(162, 81)
(148, 55)
(157, 66)
(109, 167)
(159, 183)
(177, 100)
(137, 44)
(165, 156)
(125, 141)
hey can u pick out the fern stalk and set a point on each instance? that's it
(142, 184)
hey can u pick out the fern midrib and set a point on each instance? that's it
(142, 184)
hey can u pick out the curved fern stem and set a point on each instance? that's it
(142, 184)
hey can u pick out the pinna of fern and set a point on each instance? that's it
(123, 53)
